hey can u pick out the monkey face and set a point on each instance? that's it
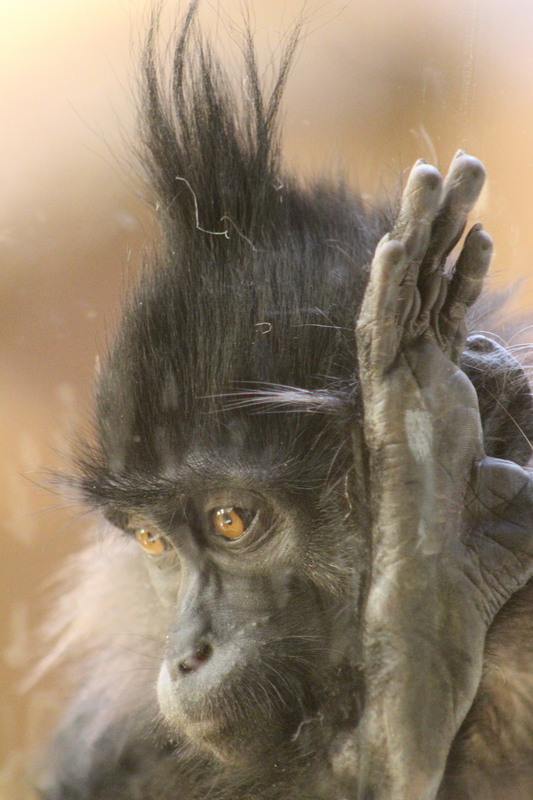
(250, 642)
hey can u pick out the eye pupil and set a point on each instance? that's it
(228, 522)
(150, 541)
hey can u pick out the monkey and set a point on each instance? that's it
(312, 577)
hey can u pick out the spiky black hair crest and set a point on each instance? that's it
(250, 304)
(214, 157)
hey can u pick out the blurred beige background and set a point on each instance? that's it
(377, 84)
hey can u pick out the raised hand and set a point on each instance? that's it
(452, 530)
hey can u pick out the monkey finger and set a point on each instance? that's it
(377, 325)
(470, 271)
(464, 289)
(420, 202)
(453, 339)
(460, 191)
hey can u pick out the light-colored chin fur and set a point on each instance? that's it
(166, 696)
(199, 731)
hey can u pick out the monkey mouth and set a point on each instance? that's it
(213, 715)
(191, 708)
(209, 720)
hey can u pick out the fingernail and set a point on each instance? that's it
(486, 243)
(477, 227)
(420, 161)
(460, 153)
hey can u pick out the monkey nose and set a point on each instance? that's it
(194, 660)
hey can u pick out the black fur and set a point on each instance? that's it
(255, 287)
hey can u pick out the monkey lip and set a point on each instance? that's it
(186, 708)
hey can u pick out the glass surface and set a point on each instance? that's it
(375, 86)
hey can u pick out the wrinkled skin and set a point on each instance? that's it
(451, 527)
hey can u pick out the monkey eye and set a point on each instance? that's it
(231, 522)
(151, 541)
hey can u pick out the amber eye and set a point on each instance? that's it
(150, 541)
(229, 522)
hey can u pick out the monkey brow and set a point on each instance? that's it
(101, 488)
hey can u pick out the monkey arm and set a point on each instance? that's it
(451, 528)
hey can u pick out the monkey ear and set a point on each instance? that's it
(505, 400)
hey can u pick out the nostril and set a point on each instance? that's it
(195, 660)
